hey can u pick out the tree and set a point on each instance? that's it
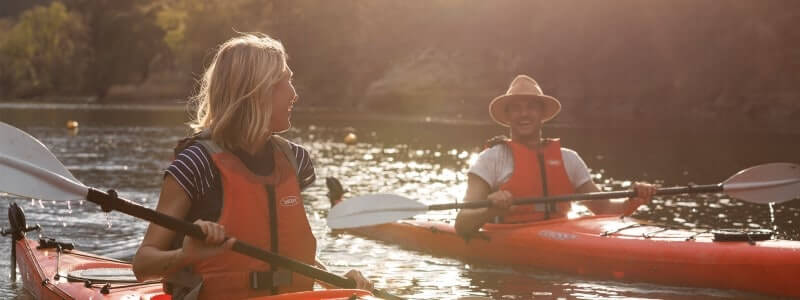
(124, 39)
(194, 27)
(46, 50)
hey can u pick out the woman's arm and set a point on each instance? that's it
(154, 260)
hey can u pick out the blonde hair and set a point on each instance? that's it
(234, 100)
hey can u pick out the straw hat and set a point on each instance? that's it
(523, 87)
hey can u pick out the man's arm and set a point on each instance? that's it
(469, 221)
(597, 207)
(643, 190)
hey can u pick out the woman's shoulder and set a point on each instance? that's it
(301, 154)
(297, 148)
(305, 167)
(193, 169)
(195, 150)
(293, 146)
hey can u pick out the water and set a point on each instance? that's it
(126, 149)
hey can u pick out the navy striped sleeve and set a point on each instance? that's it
(305, 167)
(193, 170)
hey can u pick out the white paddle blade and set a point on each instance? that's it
(20, 145)
(767, 183)
(371, 210)
(25, 179)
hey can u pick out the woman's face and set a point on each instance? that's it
(283, 98)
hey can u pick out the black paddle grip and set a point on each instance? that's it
(109, 202)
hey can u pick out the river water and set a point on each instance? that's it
(126, 148)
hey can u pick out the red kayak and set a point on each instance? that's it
(88, 276)
(54, 270)
(613, 248)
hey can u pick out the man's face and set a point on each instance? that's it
(525, 116)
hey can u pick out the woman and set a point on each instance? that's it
(235, 178)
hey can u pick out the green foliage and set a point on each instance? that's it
(172, 19)
(194, 27)
(45, 50)
(84, 46)
(124, 39)
(11, 8)
(6, 80)
(629, 59)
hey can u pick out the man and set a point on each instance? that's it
(529, 166)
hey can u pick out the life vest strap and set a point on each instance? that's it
(186, 285)
(270, 279)
(549, 205)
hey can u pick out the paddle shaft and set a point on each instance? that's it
(691, 189)
(109, 202)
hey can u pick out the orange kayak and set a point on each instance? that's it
(54, 270)
(609, 247)
(86, 276)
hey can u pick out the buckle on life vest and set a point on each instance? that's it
(269, 279)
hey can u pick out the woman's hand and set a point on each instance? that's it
(644, 194)
(501, 202)
(362, 283)
(215, 243)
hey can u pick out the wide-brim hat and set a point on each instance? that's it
(523, 87)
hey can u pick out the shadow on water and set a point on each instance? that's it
(127, 149)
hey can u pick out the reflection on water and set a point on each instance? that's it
(127, 149)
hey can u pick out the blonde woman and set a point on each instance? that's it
(236, 178)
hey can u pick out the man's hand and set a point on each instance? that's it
(362, 283)
(644, 194)
(501, 202)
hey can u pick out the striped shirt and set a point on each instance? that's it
(200, 178)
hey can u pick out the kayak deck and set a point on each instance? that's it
(48, 273)
(39, 267)
(611, 248)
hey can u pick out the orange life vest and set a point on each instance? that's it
(251, 214)
(528, 176)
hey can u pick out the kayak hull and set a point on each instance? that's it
(609, 247)
(38, 268)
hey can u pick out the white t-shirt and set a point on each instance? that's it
(495, 165)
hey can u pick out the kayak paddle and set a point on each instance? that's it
(29, 169)
(762, 184)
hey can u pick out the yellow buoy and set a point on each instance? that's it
(72, 124)
(350, 139)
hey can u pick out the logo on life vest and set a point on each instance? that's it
(554, 162)
(289, 201)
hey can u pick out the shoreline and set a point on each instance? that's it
(691, 125)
